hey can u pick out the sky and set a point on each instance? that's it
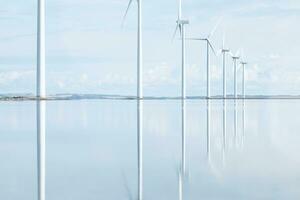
(89, 51)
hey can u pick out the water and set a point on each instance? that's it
(91, 149)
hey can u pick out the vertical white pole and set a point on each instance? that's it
(41, 88)
(180, 186)
(224, 75)
(208, 69)
(41, 149)
(140, 103)
(235, 78)
(183, 90)
(140, 53)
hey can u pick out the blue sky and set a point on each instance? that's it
(88, 51)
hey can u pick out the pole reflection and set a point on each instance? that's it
(208, 115)
(235, 124)
(243, 118)
(182, 172)
(140, 147)
(224, 129)
(41, 148)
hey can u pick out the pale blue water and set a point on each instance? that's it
(91, 150)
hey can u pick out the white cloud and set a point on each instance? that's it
(11, 76)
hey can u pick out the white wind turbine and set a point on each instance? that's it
(181, 26)
(224, 51)
(208, 47)
(235, 58)
(139, 48)
(139, 96)
(40, 76)
(243, 63)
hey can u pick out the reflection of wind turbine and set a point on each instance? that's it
(244, 91)
(182, 169)
(41, 149)
(181, 26)
(183, 140)
(41, 88)
(235, 123)
(139, 48)
(224, 128)
(208, 131)
(140, 147)
(244, 108)
(224, 50)
(235, 58)
(208, 46)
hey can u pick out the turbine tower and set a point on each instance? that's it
(224, 51)
(181, 26)
(244, 65)
(41, 87)
(235, 59)
(139, 48)
(208, 47)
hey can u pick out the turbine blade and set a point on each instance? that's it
(193, 39)
(125, 15)
(129, 194)
(224, 36)
(238, 53)
(211, 46)
(242, 53)
(215, 28)
(174, 34)
(180, 29)
(219, 52)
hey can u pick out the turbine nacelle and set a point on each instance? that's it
(182, 22)
(225, 50)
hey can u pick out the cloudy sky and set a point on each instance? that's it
(88, 51)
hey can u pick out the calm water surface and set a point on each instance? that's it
(192, 150)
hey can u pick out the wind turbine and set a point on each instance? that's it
(41, 88)
(139, 97)
(139, 48)
(224, 51)
(181, 26)
(235, 59)
(208, 47)
(244, 65)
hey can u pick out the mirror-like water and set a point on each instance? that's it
(155, 149)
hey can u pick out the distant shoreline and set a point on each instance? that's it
(29, 97)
